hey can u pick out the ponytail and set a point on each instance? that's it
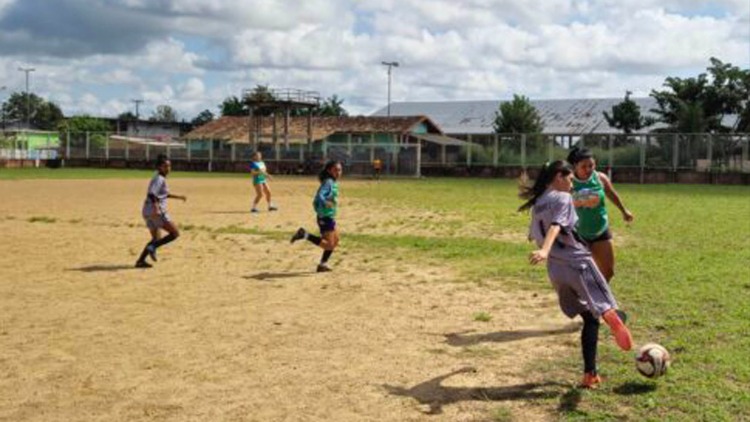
(546, 175)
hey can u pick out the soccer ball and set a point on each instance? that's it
(652, 360)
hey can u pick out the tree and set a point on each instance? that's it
(704, 101)
(332, 106)
(43, 114)
(164, 113)
(232, 106)
(627, 117)
(202, 118)
(78, 126)
(517, 116)
(127, 116)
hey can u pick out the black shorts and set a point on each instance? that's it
(326, 224)
(606, 235)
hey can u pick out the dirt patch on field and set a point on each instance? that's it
(236, 326)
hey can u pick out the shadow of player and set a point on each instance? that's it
(103, 268)
(268, 276)
(462, 339)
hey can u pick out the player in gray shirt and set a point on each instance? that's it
(581, 288)
(155, 212)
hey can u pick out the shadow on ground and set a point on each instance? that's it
(103, 268)
(430, 393)
(463, 339)
(267, 276)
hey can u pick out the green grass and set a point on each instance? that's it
(95, 173)
(683, 273)
(41, 219)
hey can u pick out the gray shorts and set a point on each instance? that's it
(155, 222)
(580, 287)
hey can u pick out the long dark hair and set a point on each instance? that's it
(325, 174)
(578, 154)
(546, 175)
(161, 159)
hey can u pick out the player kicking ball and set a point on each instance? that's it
(581, 288)
(155, 212)
(325, 204)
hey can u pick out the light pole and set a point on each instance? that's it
(390, 66)
(137, 115)
(3, 88)
(27, 70)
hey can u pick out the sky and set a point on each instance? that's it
(95, 56)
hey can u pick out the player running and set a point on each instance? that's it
(260, 183)
(325, 204)
(581, 288)
(589, 189)
(155, 212)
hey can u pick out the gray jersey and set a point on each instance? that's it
(555, 207)
(158, 189)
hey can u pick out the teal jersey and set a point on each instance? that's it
(259, 169)
(592, 216)
(328, 192)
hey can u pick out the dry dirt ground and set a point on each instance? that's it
(236, 327)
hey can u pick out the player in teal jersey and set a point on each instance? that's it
(590, 187)
(260, 182)
(325, 204)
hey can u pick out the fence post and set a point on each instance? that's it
(106, 146)
(744, 157)
(148, 152)
(469, 147)
(523, 151)
(324, 147)
(372, 147)
(189, 154)
(643, 158)
(67, 144)
(611, 153)
(675, 152)
(419, 158)
(231, 152)
(88, 145)
(349, 144)
(550, 148)
(169, 151)
(495, 149)
(710, 151)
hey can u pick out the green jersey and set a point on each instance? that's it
(592, 215)
(259, 170)
(328, 192)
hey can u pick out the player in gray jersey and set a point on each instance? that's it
(581, 288)
(155, 212)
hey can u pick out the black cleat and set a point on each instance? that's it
(323, 268)
(273, 208)
(151, 252)
(300, 234)
(143, 264)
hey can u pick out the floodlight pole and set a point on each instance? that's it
(137, 114)
(2, 110)
(390, 65)
(27, 70)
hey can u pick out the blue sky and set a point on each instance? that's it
(95, 56)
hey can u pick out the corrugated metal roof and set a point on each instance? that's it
(571, 116)
(237, 128)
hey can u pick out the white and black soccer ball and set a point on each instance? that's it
(652, 360)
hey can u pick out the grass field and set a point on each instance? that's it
(431, 280)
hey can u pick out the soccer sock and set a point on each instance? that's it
(589, 339)
(163, 241)
(315, 240)
(144, 253)
(326, 255)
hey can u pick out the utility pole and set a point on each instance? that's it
(27, 70)
(390, 66)
(137, 114)
(3, 88)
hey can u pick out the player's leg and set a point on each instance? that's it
(153, 228)
(589, 344)
(267, 193)
(258, 197)
(330, 240)
(603, 252)
(172, 233)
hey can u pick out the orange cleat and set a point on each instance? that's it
(622, 335)
(590, 381)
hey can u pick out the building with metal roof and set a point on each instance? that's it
(559, 117)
